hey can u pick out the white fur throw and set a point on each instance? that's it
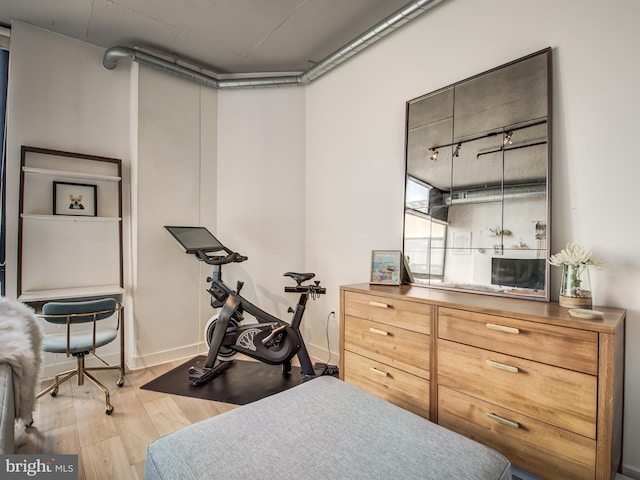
(21, 347)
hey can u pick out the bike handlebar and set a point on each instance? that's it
(231, 257)
(313, 289)
(234, 257)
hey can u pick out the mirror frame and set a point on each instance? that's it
(482, 288)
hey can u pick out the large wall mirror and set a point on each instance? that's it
(477, 203)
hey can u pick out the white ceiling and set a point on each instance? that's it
(228, 36)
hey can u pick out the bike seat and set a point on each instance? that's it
(300, 277)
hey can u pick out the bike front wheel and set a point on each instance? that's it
(224, 353)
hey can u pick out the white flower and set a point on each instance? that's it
(574, 254)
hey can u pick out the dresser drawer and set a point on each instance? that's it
(399, 348)
(560, 397)
(400, 313)
(544, 450)
(398, 387)
(564, 347)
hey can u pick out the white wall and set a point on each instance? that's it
(322, 166)
(261, 191)
(166, 131)
(60, 97)
(174, 172)
(230, 161)
(354, 150)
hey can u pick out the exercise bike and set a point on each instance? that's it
(270, 340)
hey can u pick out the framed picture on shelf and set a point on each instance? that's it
(386, 267)
(76, 199)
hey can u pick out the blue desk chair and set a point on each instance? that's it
(81, 343)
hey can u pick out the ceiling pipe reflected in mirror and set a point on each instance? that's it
(512, 147)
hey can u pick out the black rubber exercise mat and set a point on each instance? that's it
(243, 382)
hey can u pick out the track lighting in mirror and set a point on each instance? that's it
(507, 138)
(434, 155)
(456, 152)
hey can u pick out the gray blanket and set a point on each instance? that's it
(322, 429)
(21, 347)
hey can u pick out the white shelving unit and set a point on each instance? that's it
(66, 256)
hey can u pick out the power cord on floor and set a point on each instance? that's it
(327, 368)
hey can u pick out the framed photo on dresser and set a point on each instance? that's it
(386, 267)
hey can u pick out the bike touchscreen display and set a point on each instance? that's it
(192, 239)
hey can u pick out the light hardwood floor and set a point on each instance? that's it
(112, 447)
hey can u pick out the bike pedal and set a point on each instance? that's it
(274, 336)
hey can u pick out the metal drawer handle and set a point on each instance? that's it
(502, 328)
(378, 332)
(378, 372)
(378, 304)
(503, 420)
(501, 366)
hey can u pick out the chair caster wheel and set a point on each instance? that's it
(192, 370)
(108, 409)
(53, 392)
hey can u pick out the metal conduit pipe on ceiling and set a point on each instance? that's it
(375, 33)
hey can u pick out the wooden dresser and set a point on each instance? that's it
(523, 377)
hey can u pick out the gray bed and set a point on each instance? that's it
(322, 429)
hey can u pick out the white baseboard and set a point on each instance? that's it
(321, 354)
(62, 363)
(158, 358)
(317, 353)
(629, 472)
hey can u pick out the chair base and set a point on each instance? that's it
(82, 371)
